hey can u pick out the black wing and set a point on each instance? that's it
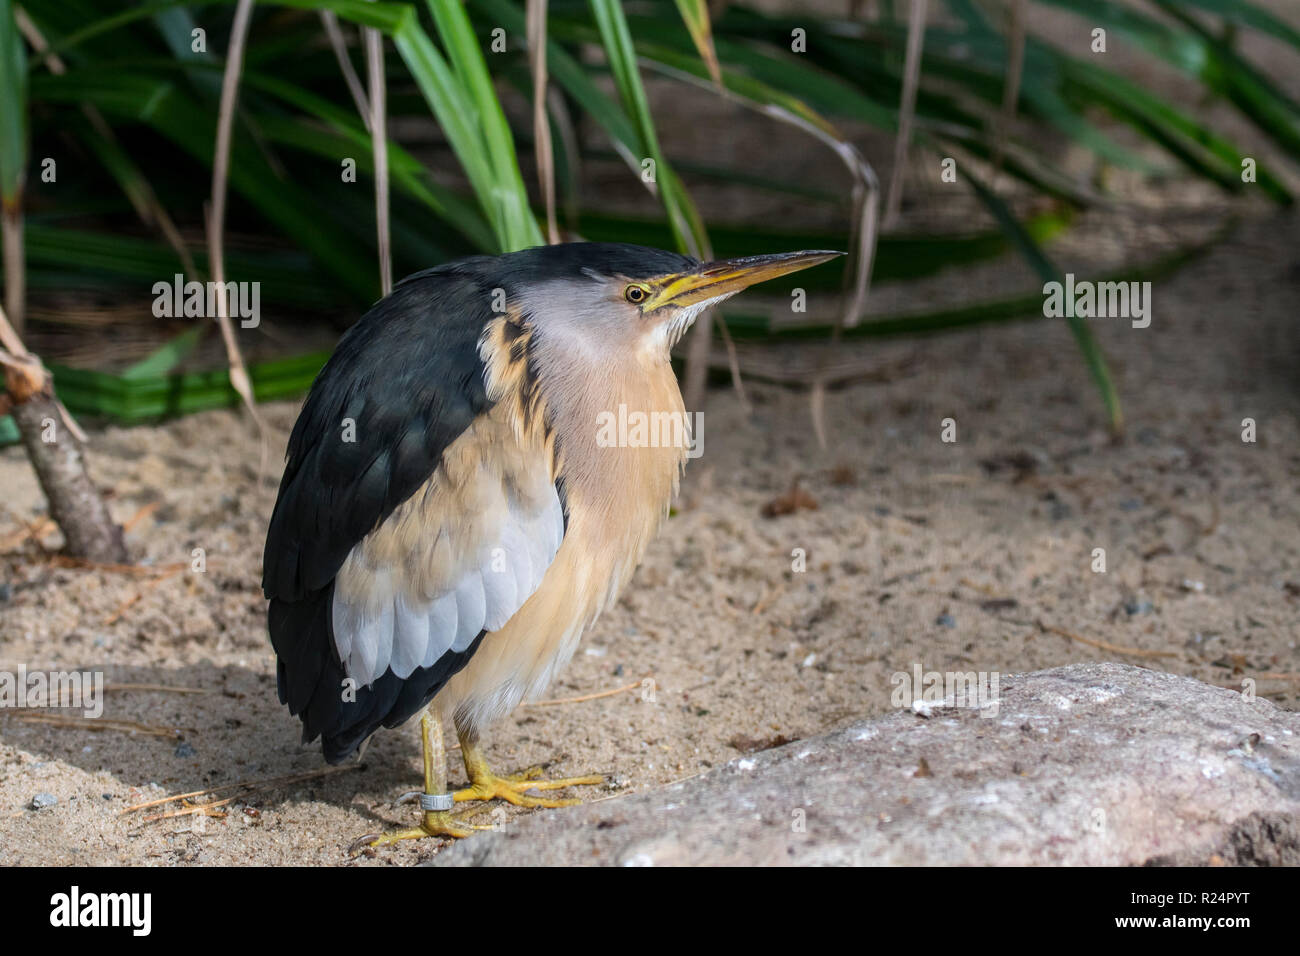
(406, 380)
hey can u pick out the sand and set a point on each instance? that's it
(976, 554)
(971, 555)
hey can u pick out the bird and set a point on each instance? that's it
(449, 521)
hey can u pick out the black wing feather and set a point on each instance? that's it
(410, 378)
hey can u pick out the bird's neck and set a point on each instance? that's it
(622, 435)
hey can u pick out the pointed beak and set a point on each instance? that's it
(729, 276)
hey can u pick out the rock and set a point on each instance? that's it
(43, 801)
(1135, 606)
(1093, 764)
(184, 750)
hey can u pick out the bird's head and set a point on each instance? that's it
(624, 297)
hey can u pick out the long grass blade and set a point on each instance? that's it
(687, 227)
(498, 146)
(541, 121)
(13, 160)
(217, 212)
(1048, 272)
(379, 139)
(1011, 92)
(330, 21)
(105, 144)
(906, 109)
(695, 14)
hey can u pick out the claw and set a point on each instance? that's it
(514, 788)
(434, 824)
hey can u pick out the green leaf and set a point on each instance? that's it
(687, 226)
(1249, 15)
(13, 105)
(166, 357)
(507, 193)
(175, 115)
(695, 14)
(1034, 254)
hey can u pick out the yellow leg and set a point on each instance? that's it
(434, 823)
(486, 785)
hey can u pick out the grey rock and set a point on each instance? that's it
(1135, 606)
(43, 801)
(1092, 764)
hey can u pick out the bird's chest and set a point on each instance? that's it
(623, 452)
(620, 454)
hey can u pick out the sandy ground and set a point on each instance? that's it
(951, 556)
(974, 555)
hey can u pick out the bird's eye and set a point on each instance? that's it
(635, 294)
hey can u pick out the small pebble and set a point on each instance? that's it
(183, 749)
(1133, 606)
(946, 620)
(43, 801)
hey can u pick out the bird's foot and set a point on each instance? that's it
(433, 823)
(513, 788)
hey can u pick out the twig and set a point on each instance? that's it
(97, 723)
(34, 530)
(1103, 645)
(216, 220)
(536, 20)
(906, 107)
(188, 810)
(110, 688)
(134, 599)
(250, 785)
(733, 361)
(1011, 89)
(335, 33)
(578, 700)
(65, 561)
(379, 144)
(140, 515)
(157, 688)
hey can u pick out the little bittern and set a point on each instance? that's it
(449, 523)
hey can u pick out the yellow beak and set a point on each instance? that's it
(728, 276)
